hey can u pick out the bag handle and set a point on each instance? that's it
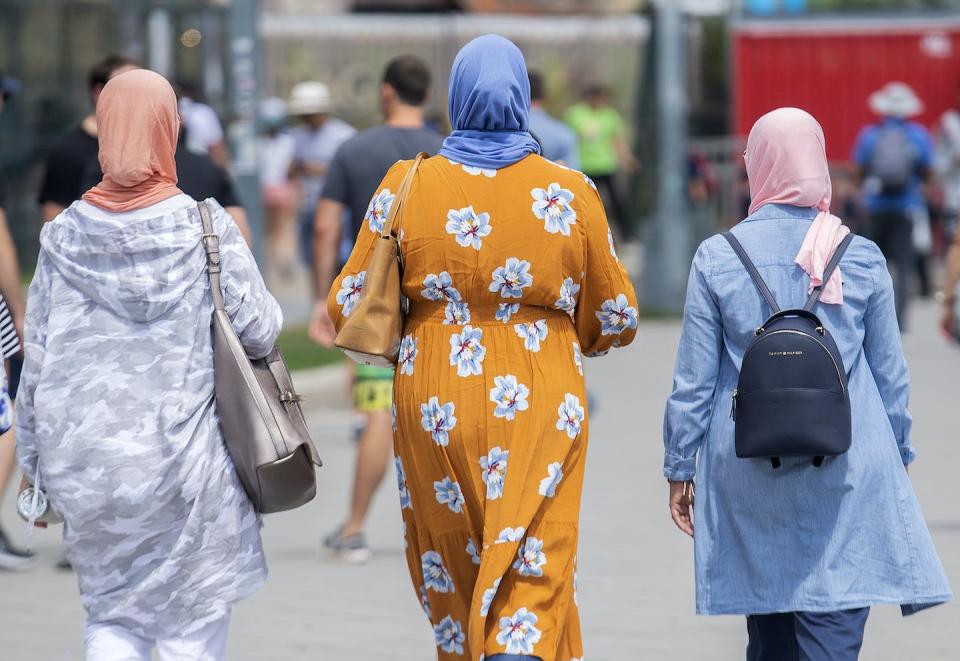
(211, 245)
(828, 272)
(401, 197)
(752, 270)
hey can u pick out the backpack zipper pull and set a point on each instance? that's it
(733, 405)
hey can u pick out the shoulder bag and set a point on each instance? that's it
(260, 416)
(371, 334)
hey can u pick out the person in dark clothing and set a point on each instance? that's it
(352, 178)
(68, 160)
(197, 176)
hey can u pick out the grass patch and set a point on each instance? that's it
(302, 353)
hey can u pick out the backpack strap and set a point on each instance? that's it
(752, 270)
(828, 272)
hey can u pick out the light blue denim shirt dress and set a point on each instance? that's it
(845, 535)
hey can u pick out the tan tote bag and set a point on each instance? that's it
(371, 334)
(260, 416)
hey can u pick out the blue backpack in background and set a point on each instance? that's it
(791, 398)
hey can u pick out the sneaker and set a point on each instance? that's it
(12, 557)
(352, 549)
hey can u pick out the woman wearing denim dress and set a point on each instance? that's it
(802, 551)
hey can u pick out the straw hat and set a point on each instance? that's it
(895, 99)
(310, 98)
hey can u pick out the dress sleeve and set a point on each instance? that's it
(884, 353)
(348, 286)
(606, 316)
(695, 378)
(253, 311)
(34, 350)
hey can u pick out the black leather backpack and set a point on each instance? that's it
(791, 399)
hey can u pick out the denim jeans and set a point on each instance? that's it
(835, 636)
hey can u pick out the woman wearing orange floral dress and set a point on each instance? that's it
(511, 276)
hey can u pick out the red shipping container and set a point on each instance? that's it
(829, 67)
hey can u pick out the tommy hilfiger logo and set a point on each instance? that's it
(784, 353)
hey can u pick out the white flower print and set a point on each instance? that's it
(552, 206)
(616, 316)
(568, 296)
(425, 602)
(613, 250)
(473, 552)
(590, 182)
(509, 396)
(508, 535)
(494, 471)
(405, 502)
(435, 575)
(449, 635)
(468, 227)
(350, 289)
(378, 210)
(506, 310)
(578, 358)
(438, 420)
(570, 416)
(576, 592)
(519, 633)
(466, 352)
(532, 334)
(408, 353)
(439, 287)
(531, 558)
(472, 170)
(449, 493)
(487, 599)
(393, 417)
(549, 484)
(457, 313)
(511, 279)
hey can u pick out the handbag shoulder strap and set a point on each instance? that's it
(401, 196)
(211, 245)
(828, 272)
(752, 270)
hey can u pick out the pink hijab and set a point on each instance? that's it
(138, 126)
(787, 164)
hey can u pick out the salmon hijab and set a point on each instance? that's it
(138, 126)
(786, 161)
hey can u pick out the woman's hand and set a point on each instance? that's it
(948, 322)
(681, 505)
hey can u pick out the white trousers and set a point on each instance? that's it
(109, 642)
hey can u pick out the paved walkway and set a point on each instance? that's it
(636, 588)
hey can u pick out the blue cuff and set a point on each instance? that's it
(678, 468)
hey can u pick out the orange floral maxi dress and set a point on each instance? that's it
(512, 278)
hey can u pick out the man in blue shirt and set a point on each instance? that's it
(558, 142)
(893, 158)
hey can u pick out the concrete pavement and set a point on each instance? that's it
(636, 569)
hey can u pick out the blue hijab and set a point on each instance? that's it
(489, 105)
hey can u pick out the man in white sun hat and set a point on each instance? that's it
(893, 158)
(315, 143)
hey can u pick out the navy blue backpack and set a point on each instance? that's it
(791, 398)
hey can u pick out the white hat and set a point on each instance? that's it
(895, 99)
(310, 98)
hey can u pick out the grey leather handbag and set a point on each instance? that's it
(259, 411)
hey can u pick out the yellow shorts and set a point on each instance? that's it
(373, 389)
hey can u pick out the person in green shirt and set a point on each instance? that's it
(603, 149)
